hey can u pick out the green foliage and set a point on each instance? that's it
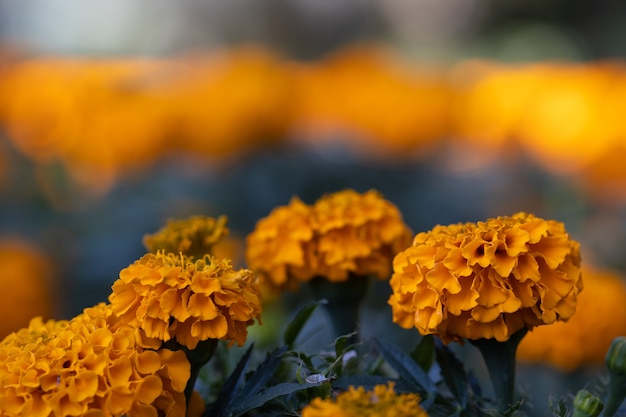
(295, 326)
(286, 379)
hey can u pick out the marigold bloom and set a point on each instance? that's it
(193, 236)
(382, 401)
(170, 296)
(26, 276)
(341, 234)
(604, 296)
(487, 279)
(90, 365)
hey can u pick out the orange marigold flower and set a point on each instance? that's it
(91, 365)
(382, 401)
(487, 279)
(194, 236)
(341, 234)
(604, 296)
(170, 296)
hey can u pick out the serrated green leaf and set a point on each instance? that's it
(270, 394)
(231, 387)
(452, 371)
(261, 375)
(295, 326)
(424, 352)
(407, 369)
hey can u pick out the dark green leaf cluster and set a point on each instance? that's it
(287, 379)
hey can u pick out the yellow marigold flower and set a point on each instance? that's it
(90, 365)
(194, 236)
(171, 296)
(382, 401)
(341, 234)
(604, 296)
(26, 276)
(486, 279)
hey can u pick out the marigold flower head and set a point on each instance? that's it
(170, 296)
(382, 401)
(487, 279)
(193, 236)
(341, 234)
(604, 296)
(91, 365)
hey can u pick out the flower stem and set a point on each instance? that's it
(197, 357)
(344, 300)
(615, 395)
(499, 358)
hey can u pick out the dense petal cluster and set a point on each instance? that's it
(604, 296)
(487, 279)
(341, 234)
(382, 401)
(194, 236)
(90, 366)
(170, 296)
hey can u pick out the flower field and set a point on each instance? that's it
(234, 232)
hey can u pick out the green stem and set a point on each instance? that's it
(197, 358)
(615, 395)
(344, 300)
(499, 358)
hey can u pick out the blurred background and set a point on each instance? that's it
(116, 116)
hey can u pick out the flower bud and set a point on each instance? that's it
(587, 405)
(616, 356)
(616, 362)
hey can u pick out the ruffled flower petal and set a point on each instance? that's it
(341, 234)
(486, 279)
(92, 365)
(189, 302)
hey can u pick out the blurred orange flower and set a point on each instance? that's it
(26, 276)
(341, 234)
(381, 401)
(96, 116)
(604, 296)
(194, 236)
(169, 296)
(486, 279)
(230, 102)
(90, 365)
(379, 105)
(550, 109)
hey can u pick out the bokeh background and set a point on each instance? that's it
(116, 116)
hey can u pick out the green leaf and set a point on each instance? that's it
(341, 342)
(270, 394)
(452, 371)
(407, 369)
(231, 387)
(424, 352)
(295, 326)
(261, 375)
